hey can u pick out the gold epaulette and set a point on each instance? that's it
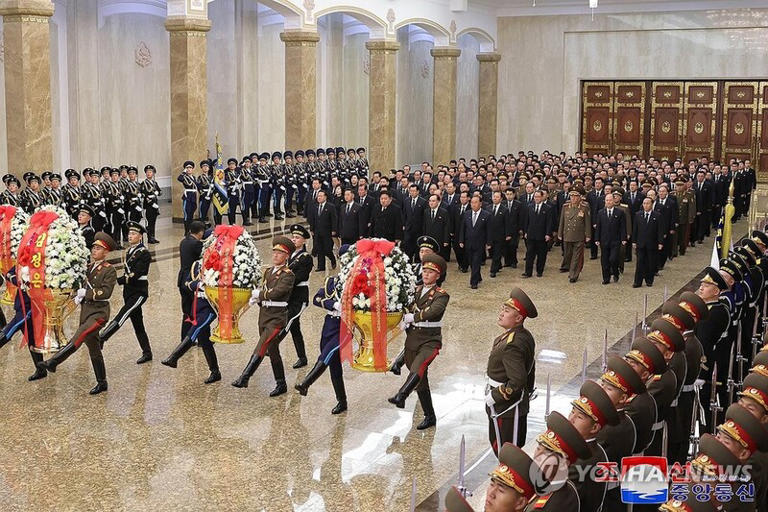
(510, 337)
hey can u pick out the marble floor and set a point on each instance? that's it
(160, 439)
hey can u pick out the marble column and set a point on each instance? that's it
(300, 88)
(487, 104)
(444, 104)
(382, 104)
(27, 47)
(189, 90)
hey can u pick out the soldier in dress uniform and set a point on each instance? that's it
(71, 192)
(426, 245)
(328, 298)
(53, 195)
(84, 216)
(686, 203)
(302, 180)
(264, 178)
(647, 361)
(10, 195)
(363, 165)
(424, 337)
(31, 198)
(575, 231)
(200, 319)
(189, 194)
(248, 195)
(234, 189)
(91, 193)
(115, 202)
(133, 199)
(290, 183)
(22, 322)
(272, 297)
(135, 291)
(277, 182)
(204, 184)
(94, 312)
(754, 398)
(150, 191)
(511, 372)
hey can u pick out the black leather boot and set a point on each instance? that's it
(108, 331)
(410, 384)
(398, 363)
(430, 420)
(341, 395)
(248, 371)
(182, 348)
(311, 377)
(101, 377)
(280, 388)
(58, 358)
(3, 321)
(3, 341)
(213, 364)
(40, 373)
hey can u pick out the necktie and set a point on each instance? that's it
(413, 203)
(462, 210)
(349, 207)
(474, 218)
(433, 214)
(320, 209)
(610, 212)
(647, 216)
(495, 210)
(633, 197)
(538, 207)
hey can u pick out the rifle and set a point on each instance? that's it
(714, 399)
(460, 484)
(730, 382)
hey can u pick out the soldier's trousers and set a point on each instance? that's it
(301, 194)
(246, 204)
(295, 309)
(683, 238)
(205, 205)
(277, 197)
(88, 333)
(418, 361)
(234, 202)
(131, 309)
(187, 301)
(18, 322)
(289, 199)
(573, 258)
(152, 214)
(510, 251)
(201, 334)
(269, 345)
(720, 355)
(116, 225)
(265, 194)
(329, 355)
(506, 426)
(680, 433)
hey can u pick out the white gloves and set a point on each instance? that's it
(489, 401)
(254, 296)
(80, 296)
(408, 318)
(337, 306)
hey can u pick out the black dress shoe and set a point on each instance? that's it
(280, 388)
(526, 275)
(301, 363)
(145, 358)
(154, 241)
(40, 373)
(539, 274)
(636, 285)
(606, 281)
(428, 421)
(493, 274)
(572, 280)
(593, 257)
(247, 224)
(649, 285)
(340, 407)
(473, 286)
(563, 270)
(215, 376)
(98, 388)
(262, 220)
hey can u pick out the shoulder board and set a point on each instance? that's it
(510, 337)
(106, 264)
(631, 398)
(541, 501)
(439, 290)
(285, 269)
(656, 378)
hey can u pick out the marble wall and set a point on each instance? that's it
(467, 88)
(544, 58)
(415, 68)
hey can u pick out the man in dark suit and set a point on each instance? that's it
(437, 224)
(634, 198)
(500, 231)
(610, 235)
(351, 224)
(367, 204)
(596, 200)
(387, 219)
(323, 225)
(474, 236)
(190, 249)
(458, 211)
(704, 199)
(413, 220)
(310, 202)
(666, 205)
(538, 227)
(450, 196)
(647, 239)
(514, 212)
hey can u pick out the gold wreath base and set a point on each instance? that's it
(240, 297)
(363, 332)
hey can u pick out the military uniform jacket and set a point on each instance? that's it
(643, 412)
(591, 493)
(711, 329)
(10, 199)
(113, 197)
(428, 311)
(564, 499)
(276, 288)
(31, 201)
(511, 364)
(134, 281)
(686, 203)
(151, 191)
(99, 282)
(575, 223)
(133, 196)
(300, 263)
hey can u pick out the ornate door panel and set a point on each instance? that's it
(666, 119)
(597, 117)
(700, 109)
(739, 120)
(761, 165)
(629, 118)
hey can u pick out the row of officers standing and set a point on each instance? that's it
(692, 388)
(114, 197)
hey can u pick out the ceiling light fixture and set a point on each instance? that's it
(592, 7)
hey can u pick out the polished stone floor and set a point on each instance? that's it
(162, 440)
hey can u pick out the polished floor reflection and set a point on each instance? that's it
(160, 439)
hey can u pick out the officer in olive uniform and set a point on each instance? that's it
(574, 231)
(424, 337)
(272, 298)
(754, 397)
(94, 312)
(686, 203)
(511, 372)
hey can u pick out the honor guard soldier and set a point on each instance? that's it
(10, 195)
(45, 177)
(71, 192)
(362, 166)
(31, 198)
(53, 195)
(115, 201)
(133, 199)
(94, 312)
(290, 182)
(754, 398)
(511, 372)
(91, 194)
(264, 179)
(424, 337)
(300, 263)
(234, 189)
(328, 298)
(22, 321)
(302, 181)
(592, 411)
(277, 183)
(427, 245)
(135, 291)
(199, 331)
(272, 298)
(248, 197)
(150, 191)
(189, 193)
(647, 361)
(558, 448)
(84, 217)
(204, 184)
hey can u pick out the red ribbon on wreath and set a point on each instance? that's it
(220, 257)
(32, 254)
(7, 212)
(368, 278)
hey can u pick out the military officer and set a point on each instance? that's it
(686, 203)
(115, 202)
(189, 194)
(248, 196)
(94, 312)
(135, 291)
(272, 297)
(264, 178)
(290, 178)
(31, 198)
(84, 216)
(234, 189)
(647, 361)
(150, 192)
(575, 231)
(10, 195)
(511, 372)
(424, 337)
(204, 184)
(277, 183)
(134, 203)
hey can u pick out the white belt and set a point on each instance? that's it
(494, 383)
(303, 283)
(427, 324)
(688, 388)
(201, 295)
(142, 278)
(334, 314)
(658, 425)
(274, 304)
(190, 190)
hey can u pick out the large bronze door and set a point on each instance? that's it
(739, 120)
(762, 134)
(666, 119)
(700, 105)
(597, 117)
(629, 118)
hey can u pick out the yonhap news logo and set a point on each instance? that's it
(644, 480)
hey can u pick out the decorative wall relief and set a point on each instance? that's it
(142, 54)
(309, 6)
(2, 51)
(391, 19)
(424, 71)
(367, 63)
(452, 29)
